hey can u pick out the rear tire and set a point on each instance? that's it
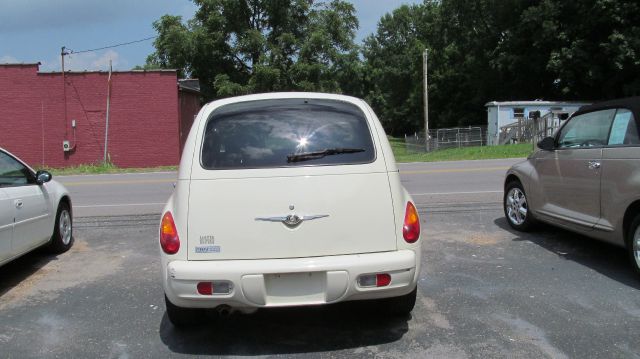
(516, 207)
(400, 306)
(633, 243)
(183, 317)
(62, 238)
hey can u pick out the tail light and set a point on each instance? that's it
(374, 280)
(169, 240)
(411, 228)
(205, 288)
(214, 287)
(383, 280)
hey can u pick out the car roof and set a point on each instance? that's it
(630, 103)
(284, 95)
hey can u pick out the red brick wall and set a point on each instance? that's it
(143, 123)
(189, 107)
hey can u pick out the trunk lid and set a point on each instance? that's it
(242, 218)
(261, 164)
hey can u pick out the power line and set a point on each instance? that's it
(111, 46)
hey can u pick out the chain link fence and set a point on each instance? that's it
(444, 138)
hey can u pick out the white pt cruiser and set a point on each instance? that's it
(287, 199)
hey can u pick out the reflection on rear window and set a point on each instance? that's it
(284, 133)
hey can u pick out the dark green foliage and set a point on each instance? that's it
(487, 50)
(479, 51)
(238, 47)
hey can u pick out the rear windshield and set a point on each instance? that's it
(285, 133)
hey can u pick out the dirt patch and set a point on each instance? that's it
(483, 239)
(470, 237)
(81, 265)
(79, 247)
(434, 316)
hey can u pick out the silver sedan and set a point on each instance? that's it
(34, 210)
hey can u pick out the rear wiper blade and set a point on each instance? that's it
(305, 156)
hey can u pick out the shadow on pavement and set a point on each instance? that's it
(286, 331)
(19, 270)
(605, 258)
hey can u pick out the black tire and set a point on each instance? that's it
(512, 210)
(633, 243)
(62, 238)
(183, 317)
(400, 306)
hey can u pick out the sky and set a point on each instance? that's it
(34, 31)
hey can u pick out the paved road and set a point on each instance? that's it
(146, 193)
(119, 194)
(485, 290)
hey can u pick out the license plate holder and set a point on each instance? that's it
(295, 288)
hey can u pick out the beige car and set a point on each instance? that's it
(586, 178)
(288, 199)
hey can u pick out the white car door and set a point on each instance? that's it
(6, 226)
(29, 202)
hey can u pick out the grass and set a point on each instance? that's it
(459, 154)
(100, 168)
(397, 144)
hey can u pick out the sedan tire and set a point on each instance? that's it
(633, 243)
(62, 238)
(516, 207)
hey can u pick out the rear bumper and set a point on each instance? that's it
(290, 282)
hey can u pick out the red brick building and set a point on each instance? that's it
(149, 118)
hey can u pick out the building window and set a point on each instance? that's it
(518, 112)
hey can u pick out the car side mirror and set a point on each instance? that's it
(547, 144)
(43, 177)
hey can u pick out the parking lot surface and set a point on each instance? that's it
(484, 291)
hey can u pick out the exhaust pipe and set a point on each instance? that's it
(224, 310)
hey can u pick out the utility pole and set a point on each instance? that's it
(425, 58)
(63, 53)
(106, 129)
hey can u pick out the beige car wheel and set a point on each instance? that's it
(516, 207)
(633, 243)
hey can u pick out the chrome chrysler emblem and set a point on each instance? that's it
(291, 220)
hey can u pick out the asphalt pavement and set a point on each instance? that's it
(146, 193)
(119, 194)
(485, 291)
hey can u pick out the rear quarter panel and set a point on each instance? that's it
(178, 205)
(399, 194)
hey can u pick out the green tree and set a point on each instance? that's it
(467, 34)
(487, 50)
(174, 45)
(393, 67)
(479, 51)
(576, 50)
(461, 38)
(238, 47)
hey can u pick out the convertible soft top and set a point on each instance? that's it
(630, 103)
